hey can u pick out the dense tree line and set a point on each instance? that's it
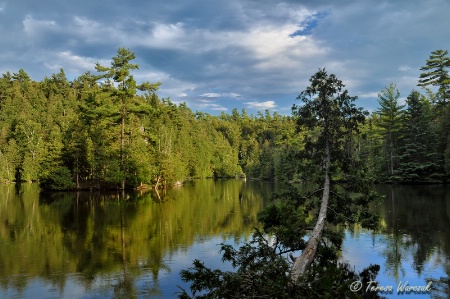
(107, 130)
(410, 141)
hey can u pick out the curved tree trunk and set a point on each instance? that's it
(307, 256)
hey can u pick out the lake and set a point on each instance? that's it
(133, 245)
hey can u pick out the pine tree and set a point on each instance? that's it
(123, 97)
(436, 74)
(417, 159)
(390, 123)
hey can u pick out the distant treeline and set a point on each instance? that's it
(106, 130)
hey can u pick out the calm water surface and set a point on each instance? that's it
(88, 245)
(413, 245)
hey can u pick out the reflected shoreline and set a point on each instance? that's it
(95, 244)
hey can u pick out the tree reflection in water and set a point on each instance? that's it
(415, 221)
(112, 244)
(130, 245)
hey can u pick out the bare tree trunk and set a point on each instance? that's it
(157, 182)
(307, 256)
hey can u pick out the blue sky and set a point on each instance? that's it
(225, 54)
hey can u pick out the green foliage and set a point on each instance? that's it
(418, 159)
(329, 113)
(106, 127)
(436, 74)
(390, 123)
(262, 269)
(58, 178)
(124, 103)
(262, 272)
(10, 161)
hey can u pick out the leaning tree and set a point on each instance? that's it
(306, 223)
(330, 112)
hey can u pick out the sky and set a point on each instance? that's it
(216, 55)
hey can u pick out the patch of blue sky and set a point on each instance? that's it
(308, 25)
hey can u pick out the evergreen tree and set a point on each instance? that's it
(390, 123)
(417, 159)
(436, 74)
(328, 107)
(443, 131)
(123, 97)
(372, 149)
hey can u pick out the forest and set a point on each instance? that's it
(105, 130)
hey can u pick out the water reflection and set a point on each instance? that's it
(114, 244)
(133, 245)
(413, 244)
(417, 218)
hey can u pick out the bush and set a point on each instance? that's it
(59, 179)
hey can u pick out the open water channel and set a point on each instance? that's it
(96, 245)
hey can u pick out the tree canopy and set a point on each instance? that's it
(436, 74)
(105, 130)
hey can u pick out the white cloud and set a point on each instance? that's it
(168, 35)
(269, 43)
(173, 88)
(402, 100)
(273, 43)
(261, 105)
(404, 68)
(205, 101)
(76, 62)
(211, 106)
(32, 26)
(232, 95)
(96, 32)
(373, 94)
(211, 95)
(219, 108)
(265, 46)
